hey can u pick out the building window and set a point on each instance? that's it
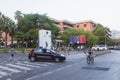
(94, 25)
(85, 25)
(77, 26)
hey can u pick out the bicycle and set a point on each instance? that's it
(90, 59)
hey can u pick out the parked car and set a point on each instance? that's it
(99, 47)
(45, 54)
(116, 48)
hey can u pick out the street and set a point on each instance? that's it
(105, 67)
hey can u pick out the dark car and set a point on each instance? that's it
(45, 54)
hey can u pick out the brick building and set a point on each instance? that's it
(84, 25)
(2, 38)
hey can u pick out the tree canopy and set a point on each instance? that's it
(29, 24)
(103, 33)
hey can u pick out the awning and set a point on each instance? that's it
(59, 40)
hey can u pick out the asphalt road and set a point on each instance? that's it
(105, 67)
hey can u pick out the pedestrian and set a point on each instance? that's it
(12, 52)
(68, 49)
(78, 48)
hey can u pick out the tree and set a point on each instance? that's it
(103, 33)
(33, 38)
(12, 31)
(6, 28)
(6, 25)
(19, 36)
(18, 15)
(29, 23)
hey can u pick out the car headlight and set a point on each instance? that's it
(62, 55)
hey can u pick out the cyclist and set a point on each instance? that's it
(90, 52)
(90, 55)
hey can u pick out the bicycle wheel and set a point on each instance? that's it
(88, 60)
(92, 60)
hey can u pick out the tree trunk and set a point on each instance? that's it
(11, 40)
(6, 40)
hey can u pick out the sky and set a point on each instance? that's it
(105, 12)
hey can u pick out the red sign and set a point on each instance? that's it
(82, 39)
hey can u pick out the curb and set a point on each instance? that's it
(97, 53)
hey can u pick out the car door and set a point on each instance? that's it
(46, 54)
(37, 52)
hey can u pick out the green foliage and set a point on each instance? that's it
(7, 26)
(19, 34)
(29, 24)
(103, 33)
(32, 33)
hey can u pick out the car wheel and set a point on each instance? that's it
(56, 59)
(32, 59)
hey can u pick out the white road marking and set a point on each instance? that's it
(28, 65)
(8, 79)
(3, 73)
(59, 69)
(50, 63)
(49, 72)
(9, 69)
(1, 76)
(17, 66)
(42, 64)
(32, 63)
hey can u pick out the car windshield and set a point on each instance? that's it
(49, 50)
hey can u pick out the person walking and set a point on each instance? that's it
(12, 52)
(78, 48)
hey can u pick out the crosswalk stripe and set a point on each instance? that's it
(3, 73)
(20, 67)
(28, 65)
(32, 63)
(42, 64)
(1, 76)
(49, 63)
(9, 69)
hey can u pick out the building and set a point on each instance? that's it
(2, 38)
(84, 25)
(63, 24)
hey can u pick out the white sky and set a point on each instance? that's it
(105, 12)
